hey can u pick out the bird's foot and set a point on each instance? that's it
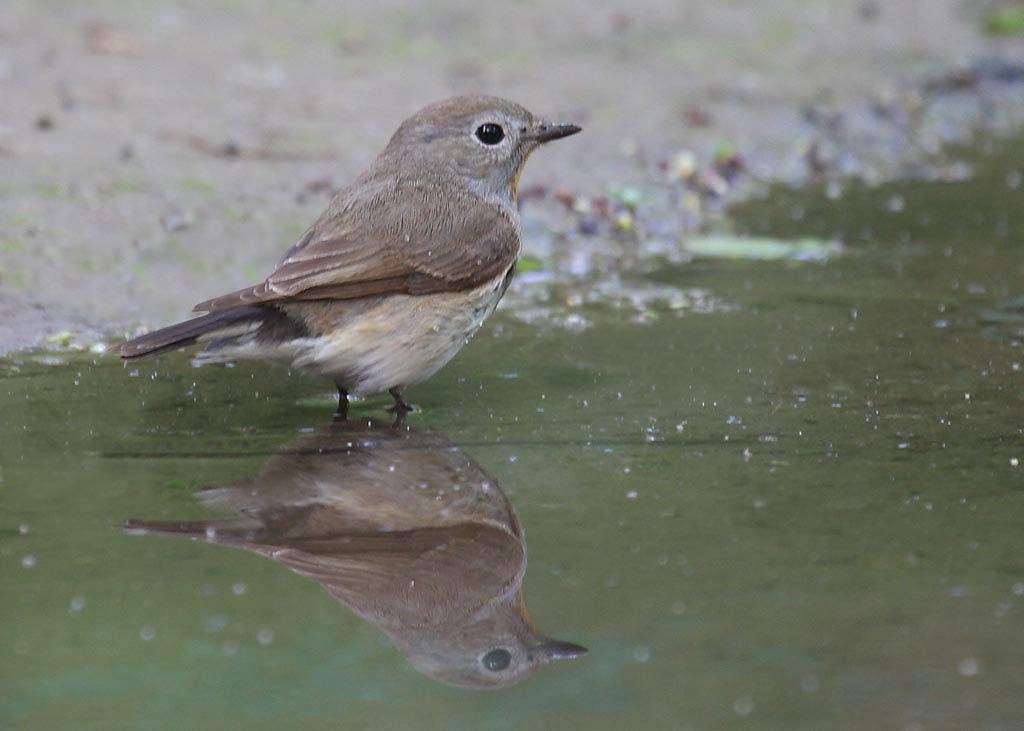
(342, 413)
(399, 422)
(400, 404)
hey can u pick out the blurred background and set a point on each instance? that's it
(157, 152)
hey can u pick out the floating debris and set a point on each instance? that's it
(762, 249)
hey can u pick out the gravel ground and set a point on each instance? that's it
(157, 153)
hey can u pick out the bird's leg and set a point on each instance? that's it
(400, 404)
(342, 413)
(399, 422)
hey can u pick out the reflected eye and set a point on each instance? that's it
(490, 133)
(496, 660)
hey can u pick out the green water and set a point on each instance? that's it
(799, 511)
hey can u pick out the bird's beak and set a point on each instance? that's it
(547, 131)
(559, 649)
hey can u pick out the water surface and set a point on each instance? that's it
(802, 510)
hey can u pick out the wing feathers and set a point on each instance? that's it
(396, 237)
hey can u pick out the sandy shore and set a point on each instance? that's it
(157, 153)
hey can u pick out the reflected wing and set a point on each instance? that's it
(390, 237)
(388, 578)
(402, 577)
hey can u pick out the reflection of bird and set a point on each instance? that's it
(407, 531)
(401, 268)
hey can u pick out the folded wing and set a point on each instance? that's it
(395, 236)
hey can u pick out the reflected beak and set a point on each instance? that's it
(561, 650)
(547, 131)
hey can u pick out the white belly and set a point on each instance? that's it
(397, 340)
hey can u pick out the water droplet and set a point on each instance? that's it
(968, 667)
(147, 633)
(239, 588)
(810, 683)
(77, 603)
(744, 705)
(216, 623)
(28, 561)
(642, 653)
(265, 636)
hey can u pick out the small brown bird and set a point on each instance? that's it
(402, 267)
(406, 530)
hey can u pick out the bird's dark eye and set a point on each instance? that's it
(490, 133)
(496, 660)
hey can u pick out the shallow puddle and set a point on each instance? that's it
(801, 509)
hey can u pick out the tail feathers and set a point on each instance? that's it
(185, 333)
(229, 532)
(234, 533)
(187, 528)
